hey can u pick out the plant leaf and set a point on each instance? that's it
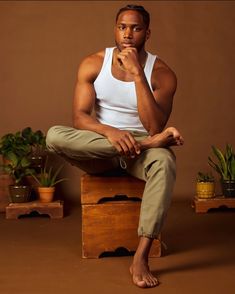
(222, 162)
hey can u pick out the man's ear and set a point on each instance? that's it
(148, 33)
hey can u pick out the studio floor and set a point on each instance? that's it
(43, 256)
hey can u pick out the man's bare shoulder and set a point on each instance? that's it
(94, 59)
(91, 66)
(163, 76)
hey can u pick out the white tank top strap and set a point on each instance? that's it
(107, 58)
(149, 67)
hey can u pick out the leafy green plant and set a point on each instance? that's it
(36, 140)
(22, 142)
(225, 164)
(15, 151)
(25, 143)
(18, 167)
(205, 177)
(48, 177)
(13, 143)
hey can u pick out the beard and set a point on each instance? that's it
(139, 47)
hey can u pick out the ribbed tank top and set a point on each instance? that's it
(116, 101)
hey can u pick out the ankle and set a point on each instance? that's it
(146, 143)
(140, 257)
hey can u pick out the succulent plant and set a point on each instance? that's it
(205, 177)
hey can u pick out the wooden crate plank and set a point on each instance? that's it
(106, 227)
(94, 188)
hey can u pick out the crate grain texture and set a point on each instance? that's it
(110, 215)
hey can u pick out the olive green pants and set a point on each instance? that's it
(94, 154)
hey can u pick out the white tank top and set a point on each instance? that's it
(116, 101)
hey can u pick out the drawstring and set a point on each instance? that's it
(122, 162)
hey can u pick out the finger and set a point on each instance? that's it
(135, 144)
(129, 49)
(125, 148)
(130, 144)
(121, 62)
(122, 54)
(118, 148)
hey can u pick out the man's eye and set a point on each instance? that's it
(121, 28)
(137, 29)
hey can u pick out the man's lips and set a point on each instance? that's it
(127, 45)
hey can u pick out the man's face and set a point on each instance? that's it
(131, 31)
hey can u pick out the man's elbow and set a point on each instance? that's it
(75, 122)
(156, 128)
(154, 131)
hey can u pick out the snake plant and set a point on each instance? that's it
(224, 164)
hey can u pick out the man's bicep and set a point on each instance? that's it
(84, 97)
(164, 92)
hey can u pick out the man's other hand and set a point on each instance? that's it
(124, 142)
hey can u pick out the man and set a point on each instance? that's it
(131, 92)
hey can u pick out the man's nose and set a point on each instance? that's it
(128, 33)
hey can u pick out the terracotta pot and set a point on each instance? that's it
(46, 194)
(205, 189)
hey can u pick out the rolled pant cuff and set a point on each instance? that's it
(150, 236)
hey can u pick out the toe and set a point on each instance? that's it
(142, 284)
(156, 282)
(137, 280)
(154, 279)
(148, 282)
(151, 281)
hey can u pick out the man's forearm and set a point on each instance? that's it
(85, 121)
(150, 113)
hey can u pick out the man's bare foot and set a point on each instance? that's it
(168, 137)
(141, 275)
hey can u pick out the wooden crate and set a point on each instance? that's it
(110, 215)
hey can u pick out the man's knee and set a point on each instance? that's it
(167, 156)
(164, 160)
(53, 137)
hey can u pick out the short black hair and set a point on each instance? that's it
(140, 9)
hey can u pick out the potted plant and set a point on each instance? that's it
(47, 179)
(13, 143)
(22, 156)
(37, 142)
(225, 167)
(25, 141)
(205, 185)
(18, 167)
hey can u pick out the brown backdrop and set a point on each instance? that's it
(43, 42)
